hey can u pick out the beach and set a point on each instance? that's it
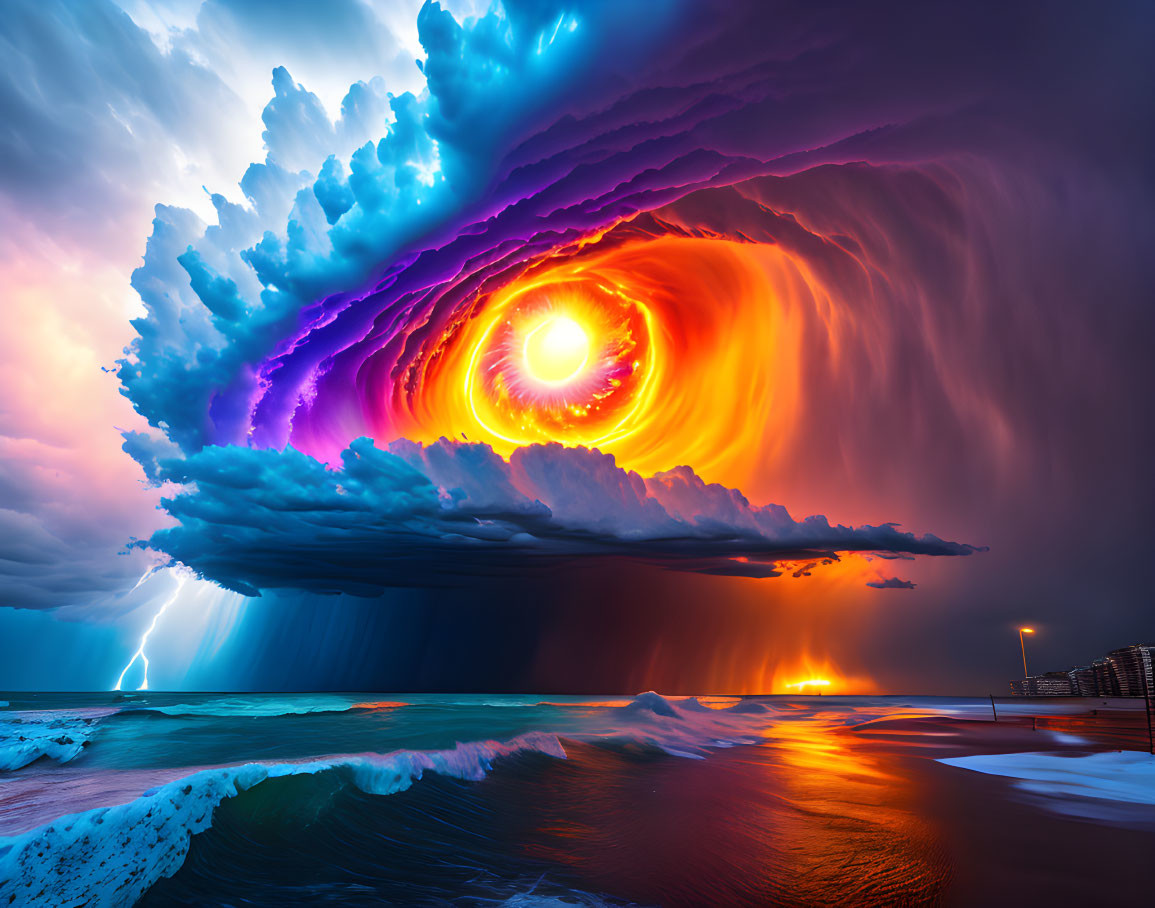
(538, 800)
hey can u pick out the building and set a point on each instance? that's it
(1106, 684)
(1083, 681)
(1132, 668)
(1052, 684)
(1055, 684)
(1126, 672)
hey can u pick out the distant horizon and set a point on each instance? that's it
(529, 693)
(521, 347)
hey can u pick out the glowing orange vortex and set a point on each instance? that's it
(689, 353)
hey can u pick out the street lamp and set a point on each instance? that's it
(1023, 646)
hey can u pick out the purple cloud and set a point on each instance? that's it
(891, 583)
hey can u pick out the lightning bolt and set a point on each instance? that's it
(139, 654)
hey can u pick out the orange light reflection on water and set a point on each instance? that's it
(852, 828)
(814, 815)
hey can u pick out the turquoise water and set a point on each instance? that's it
(273, 799)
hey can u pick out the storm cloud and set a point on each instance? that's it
(440, 514)
(891, 583)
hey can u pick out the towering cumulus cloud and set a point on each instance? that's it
(614, 263)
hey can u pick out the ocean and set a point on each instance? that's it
(434, 799)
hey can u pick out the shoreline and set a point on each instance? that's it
(808, 800)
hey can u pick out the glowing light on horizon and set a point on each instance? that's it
(181, 577)
(812, 682)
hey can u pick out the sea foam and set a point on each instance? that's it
(58, 735)
(1114, 776)
(112, 855)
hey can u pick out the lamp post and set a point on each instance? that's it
(1023, 647)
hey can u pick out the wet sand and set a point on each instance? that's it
(843, 801)
(861, 816)
(1007, 846)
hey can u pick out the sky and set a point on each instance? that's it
(572, 346)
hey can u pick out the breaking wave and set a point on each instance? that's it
(112, 855)
(59, 735)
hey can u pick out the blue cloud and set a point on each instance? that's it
(148, 450)
(437, 515)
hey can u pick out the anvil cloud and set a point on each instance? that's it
(438, 515)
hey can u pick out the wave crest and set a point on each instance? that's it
(26, 737)
(113, 855)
